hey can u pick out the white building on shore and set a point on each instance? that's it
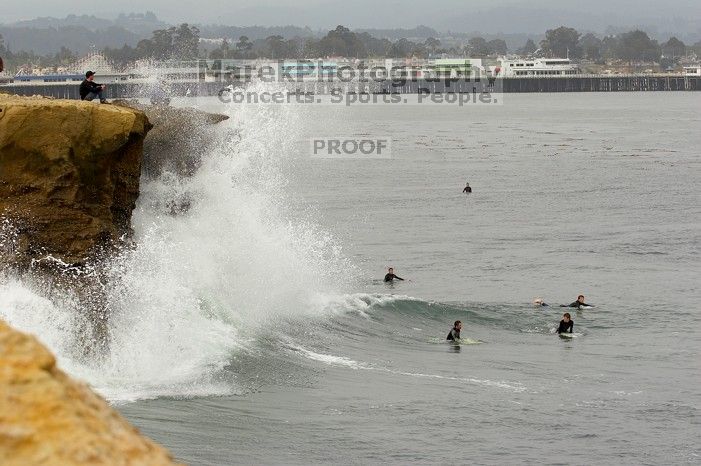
(540, 67)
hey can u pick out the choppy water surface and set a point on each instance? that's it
(256, 329)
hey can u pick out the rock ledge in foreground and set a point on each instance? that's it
(46, 418)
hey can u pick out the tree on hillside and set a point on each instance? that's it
(342, 42)
(179, 42)
(186, 39)
(478, 47)
(226, 48)
(432, 44)
(404, 48)
(221, 52)
(674, 48)
(497, 47)
(609, 47)
(275, 47)
(64, 56)
(243, 46)
(121, 56)
(591, 47)
(374, 47)
(528, 48)
(562, 42)
(161, 44)
(696, 48)
(637, 46)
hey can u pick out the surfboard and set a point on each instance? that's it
(461, 341)
(467, 341)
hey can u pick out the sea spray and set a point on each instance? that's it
(198, 283)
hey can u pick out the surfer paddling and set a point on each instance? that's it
(390, 277)
(579, 303)
(454, 334)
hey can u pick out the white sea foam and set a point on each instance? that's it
(330, 359)
(361, 303)
(198, 285)
(513, 386)
(335, 360)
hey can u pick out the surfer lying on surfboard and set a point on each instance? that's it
(579, 303)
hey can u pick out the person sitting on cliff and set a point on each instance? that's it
(89, 89)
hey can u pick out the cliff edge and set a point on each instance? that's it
(69, 175)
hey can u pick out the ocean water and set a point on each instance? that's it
(255, 328)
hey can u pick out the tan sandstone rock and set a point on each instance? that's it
(46, 418)
(69, 174)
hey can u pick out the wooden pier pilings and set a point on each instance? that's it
(572, 83)
(603, 83)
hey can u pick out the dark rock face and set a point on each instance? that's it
(69, 181)
(179, 139)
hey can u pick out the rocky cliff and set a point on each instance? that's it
(180, 138)
(69, 181)
(46, 418)
(69, 176)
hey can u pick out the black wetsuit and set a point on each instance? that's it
(467, 189)
(577, 304)
(565, 326)
(86, 87)
(453, 335)
(390, 277)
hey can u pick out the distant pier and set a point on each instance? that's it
(603, 83)
(524, 84)
(571, 83)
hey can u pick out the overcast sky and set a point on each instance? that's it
(456, 15)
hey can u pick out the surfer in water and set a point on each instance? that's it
(539, 302)
(454, 334)
(579, 303)
(566, 324)
(390, 277)
(467, 189)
